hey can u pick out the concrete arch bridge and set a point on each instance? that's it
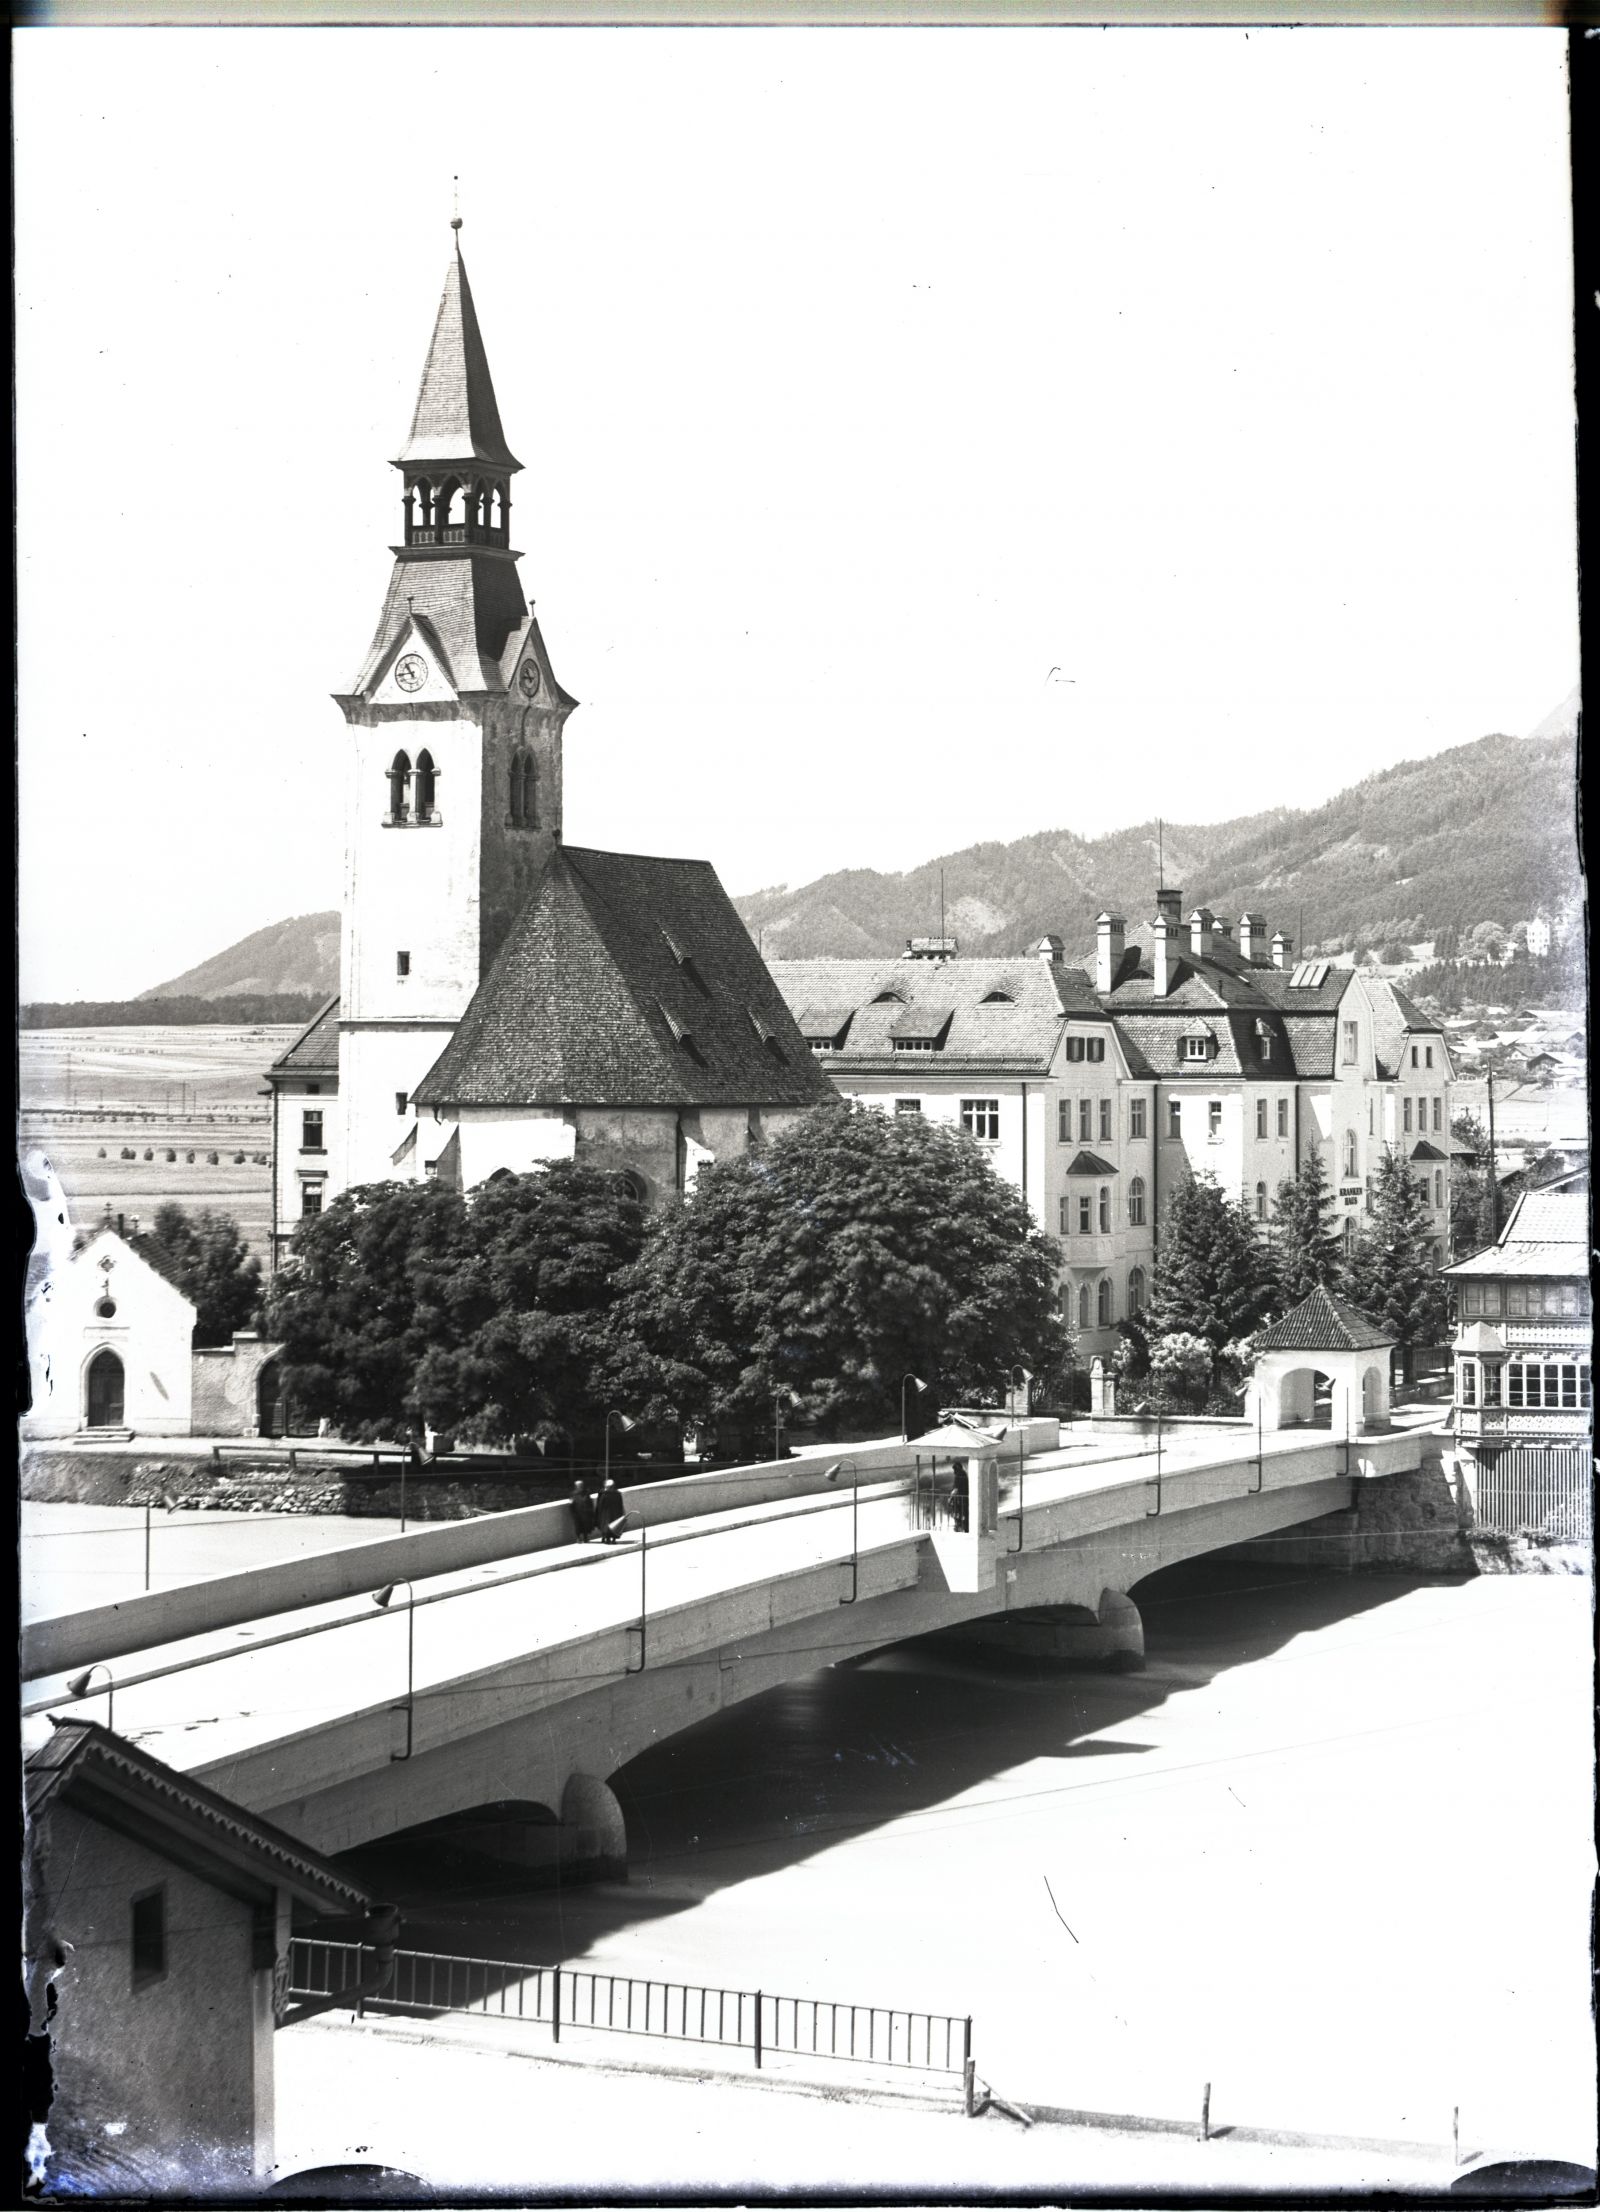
(511, 1671)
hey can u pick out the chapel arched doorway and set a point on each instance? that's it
(105, 1390)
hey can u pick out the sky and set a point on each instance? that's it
(928, 436)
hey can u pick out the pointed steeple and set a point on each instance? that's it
(457, 419)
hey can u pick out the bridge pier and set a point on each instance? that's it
(594, 1832)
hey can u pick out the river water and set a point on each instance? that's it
(1330, 1853)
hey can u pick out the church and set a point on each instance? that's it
(506, 999)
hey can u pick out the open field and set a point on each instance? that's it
(88, 1095)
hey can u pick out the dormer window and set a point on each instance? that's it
(682, 1037)
(997, 998)
(889, 998)
(1197, 1048)
(768, 1037)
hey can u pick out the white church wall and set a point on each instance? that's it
(149, 1330)
(376, 1068)
(493, 1137)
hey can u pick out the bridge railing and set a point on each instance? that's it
(584, 1998)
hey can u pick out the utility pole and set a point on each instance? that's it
(1494, 1179)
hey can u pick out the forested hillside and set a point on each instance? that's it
(299, 956)
(1485, 832)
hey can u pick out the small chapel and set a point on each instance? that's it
(506, 999)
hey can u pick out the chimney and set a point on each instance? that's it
(1169, 905)
(1282, 949)
(122, 1225)
(1201, 922)
(1161, 960)
(1111, 938)
(1051, 950)
(1253, 936)
(1223, 929)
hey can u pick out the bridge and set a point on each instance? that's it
(504, 1671)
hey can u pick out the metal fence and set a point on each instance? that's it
(1545, 1488)
(568, 1997)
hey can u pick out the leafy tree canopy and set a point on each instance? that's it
(485, 1313)
(856, 1248)
(206, 1257)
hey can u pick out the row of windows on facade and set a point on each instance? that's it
(1094, 1305)
(1551, 1386)
(413, 792)
(1524, 1301)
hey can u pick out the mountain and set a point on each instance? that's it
(298, 955)
(1562, 721)
(1486, 831)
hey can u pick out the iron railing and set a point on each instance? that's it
(568, 1997)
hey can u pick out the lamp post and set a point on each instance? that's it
(778, 1397)
(905, 1428)
(832, 1474)
(381, 1599)
(627, 1427)
(78, 1684)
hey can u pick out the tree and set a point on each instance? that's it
(1215, 1277)
(1305, 1237)
(488, 1314)
(854, 1249)
(206, 1257)
(1394, 1274)
(371, 1287)
(1471, 1225)
(1395, 954)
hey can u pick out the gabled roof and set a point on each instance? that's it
(316, 1050)
(1089, 1163)
(457, 417)
(954, 999)
(1547, 1234)
(472, 602)
(1422, 1150)
(112, 1781)
(586, 1003)
(1323, 1323)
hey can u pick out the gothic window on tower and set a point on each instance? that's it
(426, 775)
(399, 781)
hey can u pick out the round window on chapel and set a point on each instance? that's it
(106, 1308)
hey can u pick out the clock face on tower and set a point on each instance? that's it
(411, 672)
(529, 679)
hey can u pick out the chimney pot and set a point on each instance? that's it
(1169, 905)
(1282, 948)
(1051, 949)
(1200, 926)
(1160, 957)
(1253, 936)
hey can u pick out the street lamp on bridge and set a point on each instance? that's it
(382, 1599)
(916, 1382)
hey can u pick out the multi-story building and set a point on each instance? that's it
(505, 998)
(1199, 1053)
(1022, 1057)
(1523, 1412)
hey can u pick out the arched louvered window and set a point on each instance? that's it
(530, 791)
(514, 803)
(425, 786)
(399, 779)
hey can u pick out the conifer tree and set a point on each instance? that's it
(1394, 1275)
(1305, 1236)
(1215, 1277)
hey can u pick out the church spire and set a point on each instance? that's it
(457, 420)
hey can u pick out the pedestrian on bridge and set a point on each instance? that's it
(581, 1506)
(610, 1511)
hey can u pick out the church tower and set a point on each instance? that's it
(453, 790)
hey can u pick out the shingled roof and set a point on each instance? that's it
(316, 1050)
(990, 1014)
(1323, 1323)
(457, 417)
(1547, 1234)
(626, 981)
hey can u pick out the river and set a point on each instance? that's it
(1330, 1853)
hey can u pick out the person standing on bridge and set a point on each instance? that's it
(581, 1506)
(610, 1511)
